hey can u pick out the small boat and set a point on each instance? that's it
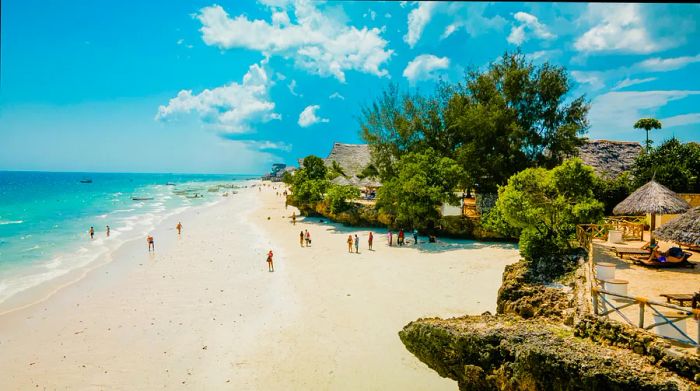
(141, 198)
(86, 180)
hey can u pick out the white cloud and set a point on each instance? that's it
(318, 42)
(232, 107)
(618, 110)
(620, 28)
(418, 18)
(530, 23)
(659, 64)
(372, 15)
(594, 79)
(308, 117)
(266, 145)
(387, 15)
(292, 88)
(680, 120)
(470, 17)
(627, 82)
(424, 66)
(180, 41)
(336, 95)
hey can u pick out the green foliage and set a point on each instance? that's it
(309, 183)
(546, 205)
(334, 171)
(423, 182)
(612, 191)
(288, 178)
(337, 197)
(368, 172)
(495, 123)
(648, 124)
(673, 164)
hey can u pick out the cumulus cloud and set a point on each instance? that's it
(527, 23)
(424, 67)
(594, 79)
(232, 107)
(418, 18)
(659, 64)
(336, 95)
(318, 42)
(618, 110)
(308, 116)
(620, 27)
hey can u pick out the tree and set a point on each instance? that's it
(648, 124)
(546, 205)
(612, 191)
(423, 182)
(310, 183)
(673, 164)
(338, 196)
(314, 167)
(495, 123)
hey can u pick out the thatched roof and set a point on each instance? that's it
(683, 229)
(652, 198)
(352, 158)
(343, 181)
(369, 182)
(609, 159)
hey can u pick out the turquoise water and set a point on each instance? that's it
(45, 217)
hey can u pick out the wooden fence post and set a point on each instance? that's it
(641, 314)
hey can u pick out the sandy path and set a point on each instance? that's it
(203, 312)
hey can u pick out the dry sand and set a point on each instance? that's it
(204, 313)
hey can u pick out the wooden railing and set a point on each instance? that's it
(630, 230)
(603, 306)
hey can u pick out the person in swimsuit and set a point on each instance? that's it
(270, 265)
(357, 244)
(390, 236)
(301, 238)
(92, 233)
(151, 245)
(350, 243)
(294, 218)
(179, 227)
(369, 240)
(108, 231)
(308, 239)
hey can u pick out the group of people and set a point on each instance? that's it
(356, 242)
(401, 237)
(92, 232)
(305, 237)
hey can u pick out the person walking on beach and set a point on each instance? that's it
(294, 218)
(151, 245)
(92, 233)
(108, 231)
(350, 243)
(357, 244)
(308, 239)
(179, 228)
(401, 237)
(369, 240)
(390, 236)
(415, 236)
(301, 238)
(270, 265)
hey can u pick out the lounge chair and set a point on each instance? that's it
(674, 257)
(621, 252)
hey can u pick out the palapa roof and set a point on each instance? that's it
(652, 198)
(683, 229)
(352, 158)
(609, 159)
(369, 182)
(343, 181)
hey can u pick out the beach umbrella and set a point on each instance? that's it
(652, 198)
(684, 229)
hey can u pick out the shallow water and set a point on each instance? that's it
(45, 217)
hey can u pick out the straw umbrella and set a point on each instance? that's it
(684, 229)
(652, 198)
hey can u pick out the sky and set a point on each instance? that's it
(232, 87)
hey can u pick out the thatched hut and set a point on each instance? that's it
(609, 159)
(344, 181)
(352, 158)
(652, 198)
(684, 229)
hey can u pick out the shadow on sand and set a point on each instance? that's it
(380, 234)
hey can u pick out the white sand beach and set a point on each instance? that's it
(203, 312)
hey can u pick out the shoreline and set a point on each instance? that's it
(204, 312)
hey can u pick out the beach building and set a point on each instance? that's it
(609, 159)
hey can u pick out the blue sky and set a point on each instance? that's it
(231, 87)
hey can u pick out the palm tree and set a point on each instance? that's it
(648, 124)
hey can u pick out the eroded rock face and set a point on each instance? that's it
(510, 353)
(520, 296)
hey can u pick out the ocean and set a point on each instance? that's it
(45, 217)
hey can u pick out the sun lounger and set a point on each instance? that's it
(669, 263)
(622, 252)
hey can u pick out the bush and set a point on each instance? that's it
(337, 197)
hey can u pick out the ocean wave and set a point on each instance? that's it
(7, 222)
